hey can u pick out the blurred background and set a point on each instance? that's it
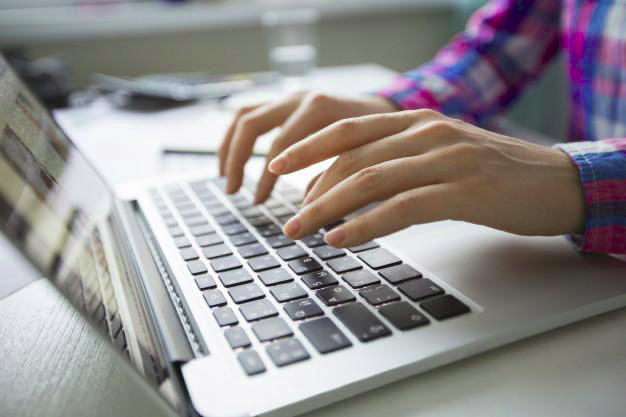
(134, 37)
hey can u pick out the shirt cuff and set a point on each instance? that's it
(603, 190)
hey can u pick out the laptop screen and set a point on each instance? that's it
(50, 197)
(55, 207)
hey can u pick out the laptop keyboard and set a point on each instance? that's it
(241, 253)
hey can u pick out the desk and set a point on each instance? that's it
(53, 364)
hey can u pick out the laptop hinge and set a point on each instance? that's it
(160, 305)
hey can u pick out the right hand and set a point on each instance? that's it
(299, 116)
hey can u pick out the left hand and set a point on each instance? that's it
(428, 167)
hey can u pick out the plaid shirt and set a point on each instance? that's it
(507, 44)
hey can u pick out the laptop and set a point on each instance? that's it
(226, 317)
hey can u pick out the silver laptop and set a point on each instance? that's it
(225, 316)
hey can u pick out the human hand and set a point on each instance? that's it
(427, 167)
(299, 116)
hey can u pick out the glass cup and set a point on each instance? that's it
(292, 41)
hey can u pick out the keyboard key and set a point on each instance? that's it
(235, 277)
(245, 293)
(260, 221)
(418, 289)
(170, 221)
(379, 258)
(182, 242)
(291, 252)
(242, 239)
(324, 335)
(217, 210)
(275, 276)
(226, 263)
(282, 211)
(270, 230)
(176, 231)
(241, 203)
(314, 240)
(283, 219)
(444, 307)
(205, 282)
(251, 212)
(403, 315)
(188, 210)
(258, 310)
(251, 362)
(304, 265)
(345, 264)
(334, 224)
(189, 254)
(197, 267)
(195, 220)
(214, 298)
(328, 252)
(279, 241)
(336, 295)
(271, 329)
(287, 292)
(361, 278)
(226, 219)
(209, 240)
(380, 294)
(250, 251)
(361, 322)
(364, 247)
(216, 251)
(186, 206)
(319, 279)
(303, 309)
(202, 230)
(225, 316)
(286, 352)
(237, 338)
(262, 263)
(399, 273)
(272, 203)
(234, 229)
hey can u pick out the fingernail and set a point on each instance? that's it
(278, 165)
(335, 236)
(292, 227)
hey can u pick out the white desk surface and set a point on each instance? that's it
(578, 370)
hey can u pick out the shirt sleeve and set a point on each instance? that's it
(506, 44)
(602, 169)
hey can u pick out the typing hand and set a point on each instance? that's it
(427, 167)
(299, 116)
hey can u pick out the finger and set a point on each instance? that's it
(419, 139)
(368, 186)
(422, 205)
(337, 138)
(305, 120)
(355, 160)
(248, 129)
(222, 153)
(265, 185)
(311, 184)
